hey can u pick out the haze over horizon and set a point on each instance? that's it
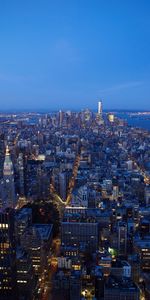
(69, 54)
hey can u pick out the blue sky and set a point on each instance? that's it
(69, 54)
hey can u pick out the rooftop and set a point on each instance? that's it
(44, 230)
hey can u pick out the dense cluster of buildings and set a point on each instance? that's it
(95, 170)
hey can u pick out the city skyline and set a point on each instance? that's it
(64, 56)
(74, 205)
(74, 150)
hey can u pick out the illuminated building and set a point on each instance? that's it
(87, 115)
(64, 263)
(25, 274)
(99, 108)
(111, 118)
(9, 197)
(142, 247)
(99, 115)
(37, 240)
(104, 260)
(23, 219)
(81, 231)
(88, 286)
(7, 255)
(21, 202)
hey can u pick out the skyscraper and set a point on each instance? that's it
(7, 255)
(9, 197)
(100, 108)
(122, 238)
(21, 174)
(99, 116)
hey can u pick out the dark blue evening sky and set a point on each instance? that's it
(68, 54)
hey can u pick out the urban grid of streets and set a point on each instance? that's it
(84, 161)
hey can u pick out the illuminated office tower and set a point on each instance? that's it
(9, 197)
(7, 255)
(111, 118)
(100, 108)
(99, 116)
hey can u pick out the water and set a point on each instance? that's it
(136, 121)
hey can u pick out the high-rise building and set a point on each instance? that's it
(25, 275)
(142, 247)
(75, 286)
(60, 117)
(79, 230)
(63, 185)
(122, 238)
(23, 219)
(100, 108)
(21, 174)
(9, 196)
(120, 290)
(7, 255)
(36, 240)
(111, 118)
(99, 115)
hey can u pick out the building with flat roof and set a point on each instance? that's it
(37, 240)
(120, 290)
(25, 274)
(79, 230)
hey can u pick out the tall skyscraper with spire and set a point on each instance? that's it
(99, 115)
(9, 196)
(7, 238)
(100, 108)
